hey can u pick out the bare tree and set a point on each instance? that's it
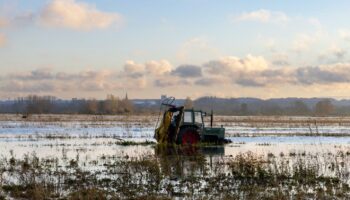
(92, 106)
(39, 104)
(324, 108)
(188, 103)
(299, 108)
(110, 105)
(243, 109)
(126, 106)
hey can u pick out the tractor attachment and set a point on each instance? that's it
(186, 126)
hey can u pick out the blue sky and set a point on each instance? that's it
(114, 46)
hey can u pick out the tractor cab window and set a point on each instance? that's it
(188, 117)
(198, 117)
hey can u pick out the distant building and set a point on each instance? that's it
(126, 96)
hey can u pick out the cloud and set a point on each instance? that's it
(94, 85)
(280, 59)
(96, 75)
(264, 16)
(76, 15)
(187, 71)
(344, 34)
(133, 69)
(195, 49)
(315, 22)
(233, 65)
(338, 52)
(30, 87)
(47, 80)
(3, 22)
(280, 62)
(334, 54)
(249, 71)
(255, 71)
(327, 74)
(263, 75)
(2, 40)
(44, 73)
(171, 82)
(249, 82)
(65, 76)
(13, 21)
(270, 44)
(17, 19)
(309, 42)
(37, 74)
(158, 67)
(303, 42)
(209, 81)
(149, 68)
(164, 83)
(196, 41)
(271, 76)
(23, 19)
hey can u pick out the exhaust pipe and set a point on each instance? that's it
(211, 119)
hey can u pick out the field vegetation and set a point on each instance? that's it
(114, 157)
(184, 172)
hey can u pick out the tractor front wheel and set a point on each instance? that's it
(188, 135)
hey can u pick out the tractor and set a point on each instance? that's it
(182, 125)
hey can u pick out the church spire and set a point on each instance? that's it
(126, 96)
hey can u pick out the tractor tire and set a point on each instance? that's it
(188, 135)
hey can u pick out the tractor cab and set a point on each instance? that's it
(192, 117)
(186, 126)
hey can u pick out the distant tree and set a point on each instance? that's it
(110, 105)
(243, 109)
(19, 105)
(92, 106)
(125, 105)
(299, 108)
(188, 103)
(39, 104)
(324, 108)
(270, 108)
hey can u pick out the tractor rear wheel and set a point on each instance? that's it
(188, 135)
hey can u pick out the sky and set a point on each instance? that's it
(181, 48)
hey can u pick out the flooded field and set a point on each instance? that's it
(116, 157)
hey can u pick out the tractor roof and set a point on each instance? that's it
(192, 110)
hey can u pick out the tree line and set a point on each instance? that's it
(34, 104)
(251, 106)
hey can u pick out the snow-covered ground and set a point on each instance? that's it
(95, 142)
(94, 139)
(143, 126)
(94, 136)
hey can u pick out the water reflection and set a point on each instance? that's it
(177, 161)
(188, 150)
